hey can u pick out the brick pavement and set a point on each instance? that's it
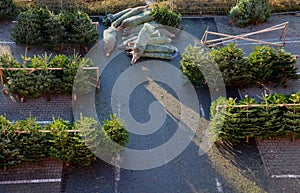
(41, 108)
(44, 177)
(47, 175)
(281, 158)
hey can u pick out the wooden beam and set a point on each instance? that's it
(228, 38)
(258, 105)
(2, 80)
(48, 131)
(31, 69)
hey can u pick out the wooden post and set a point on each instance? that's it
(2, 80)
(284, 34)
(204, 37)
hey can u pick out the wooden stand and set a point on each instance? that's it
(225, 38)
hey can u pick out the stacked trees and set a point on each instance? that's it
(143, 36)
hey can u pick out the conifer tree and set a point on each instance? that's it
(8, 10)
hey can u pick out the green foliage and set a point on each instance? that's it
(115, 129)
(235, 120)
(264, 65)
(8, 10)
(29, 29)
(79, 30)
(165, 16)
(45, 81)
(9, 154)
(76, 144)
(68, 146)
(108, 140)
(192, 7)
(233, 65)
(250, 12)
(33, 145)
(190, 63)
(41, 27)
(271, 65)
(291, 116)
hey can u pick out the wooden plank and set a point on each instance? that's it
(249, 39)
(257, 105)
(48, 131)
(228, 38)
(33, 69)
(2, 80)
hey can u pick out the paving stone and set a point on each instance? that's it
(281, 158)
(41, 108)
(44, 177)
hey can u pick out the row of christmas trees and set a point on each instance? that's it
(78, 143)
(276, 115)
(44, 81)
(264, 65)
(41, 27)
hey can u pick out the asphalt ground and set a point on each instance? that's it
(222, 169)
